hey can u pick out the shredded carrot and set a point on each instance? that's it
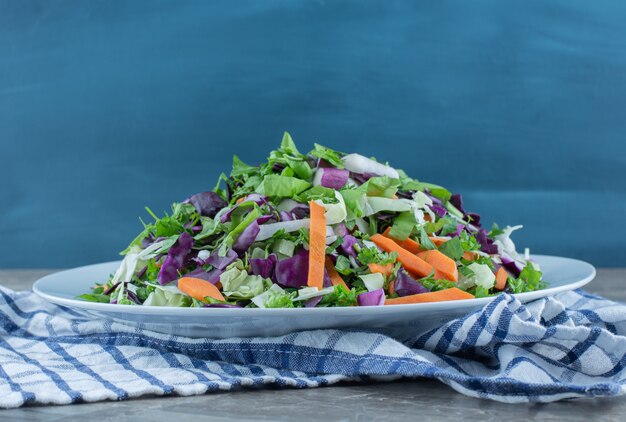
(445, 267)
(439, 296)
(470, 255)
(199, 289)
(408, 244)
(385, 270)
(317, 245)
(240, 200)
(438, 241)
(501, 278)
(335, 278)
(411, 262)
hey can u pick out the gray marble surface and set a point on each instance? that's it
(408, 399)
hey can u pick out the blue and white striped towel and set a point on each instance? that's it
(573, 345)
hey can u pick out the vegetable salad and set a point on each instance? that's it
(316, 230)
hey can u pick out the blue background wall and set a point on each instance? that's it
(109, 106)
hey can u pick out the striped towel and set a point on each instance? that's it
(572, 345)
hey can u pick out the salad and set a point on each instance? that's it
(316, 230)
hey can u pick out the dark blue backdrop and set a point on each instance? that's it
(109, 106)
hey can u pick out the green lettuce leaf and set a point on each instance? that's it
(162, 296)
(452, 248)
(237, 283)
(279, 186)
(356, 202)
(529, 280)
(340, 297)
(381, 186)
(95, 297)
(403, 225)
(333, 157)
(242, 169)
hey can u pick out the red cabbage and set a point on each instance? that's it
(321, 163)
(385, 217)
(511, 266)
(486, 243)
(194, 229)
(212, 276)
(406, 285)
(348, 245)
(254, 197)
(265, 218)
(175, 259)
(373, 298)
(300, 211)
(133, 297)
(407, 194)
(192, 257)
(457, 201)
(361, 178)
(285, 216)
(249, 234)
(221, 262)
(312, 303)
(294, 271)
(327, 282)
(311, 160)
(341, 230)
(263, 266)
(435, 200)
(257, 198)
(474, 218)
(111, 289)
(247, 237)
(438, 210)
(278, 167)
(207, 203)
(220, 305)
(147, 241)
(334, 178)
(459, 230)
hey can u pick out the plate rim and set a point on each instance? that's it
(255, 312)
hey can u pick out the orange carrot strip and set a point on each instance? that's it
(438, 241)
(408, 244)
(317, 245)
(501, 277)
(445, 267)
(385, 270)
(335, 278)
(199, 289)
(240, 200)
(470, 255)
(439, 296)
(411, 262)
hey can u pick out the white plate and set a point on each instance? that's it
(399, 321)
